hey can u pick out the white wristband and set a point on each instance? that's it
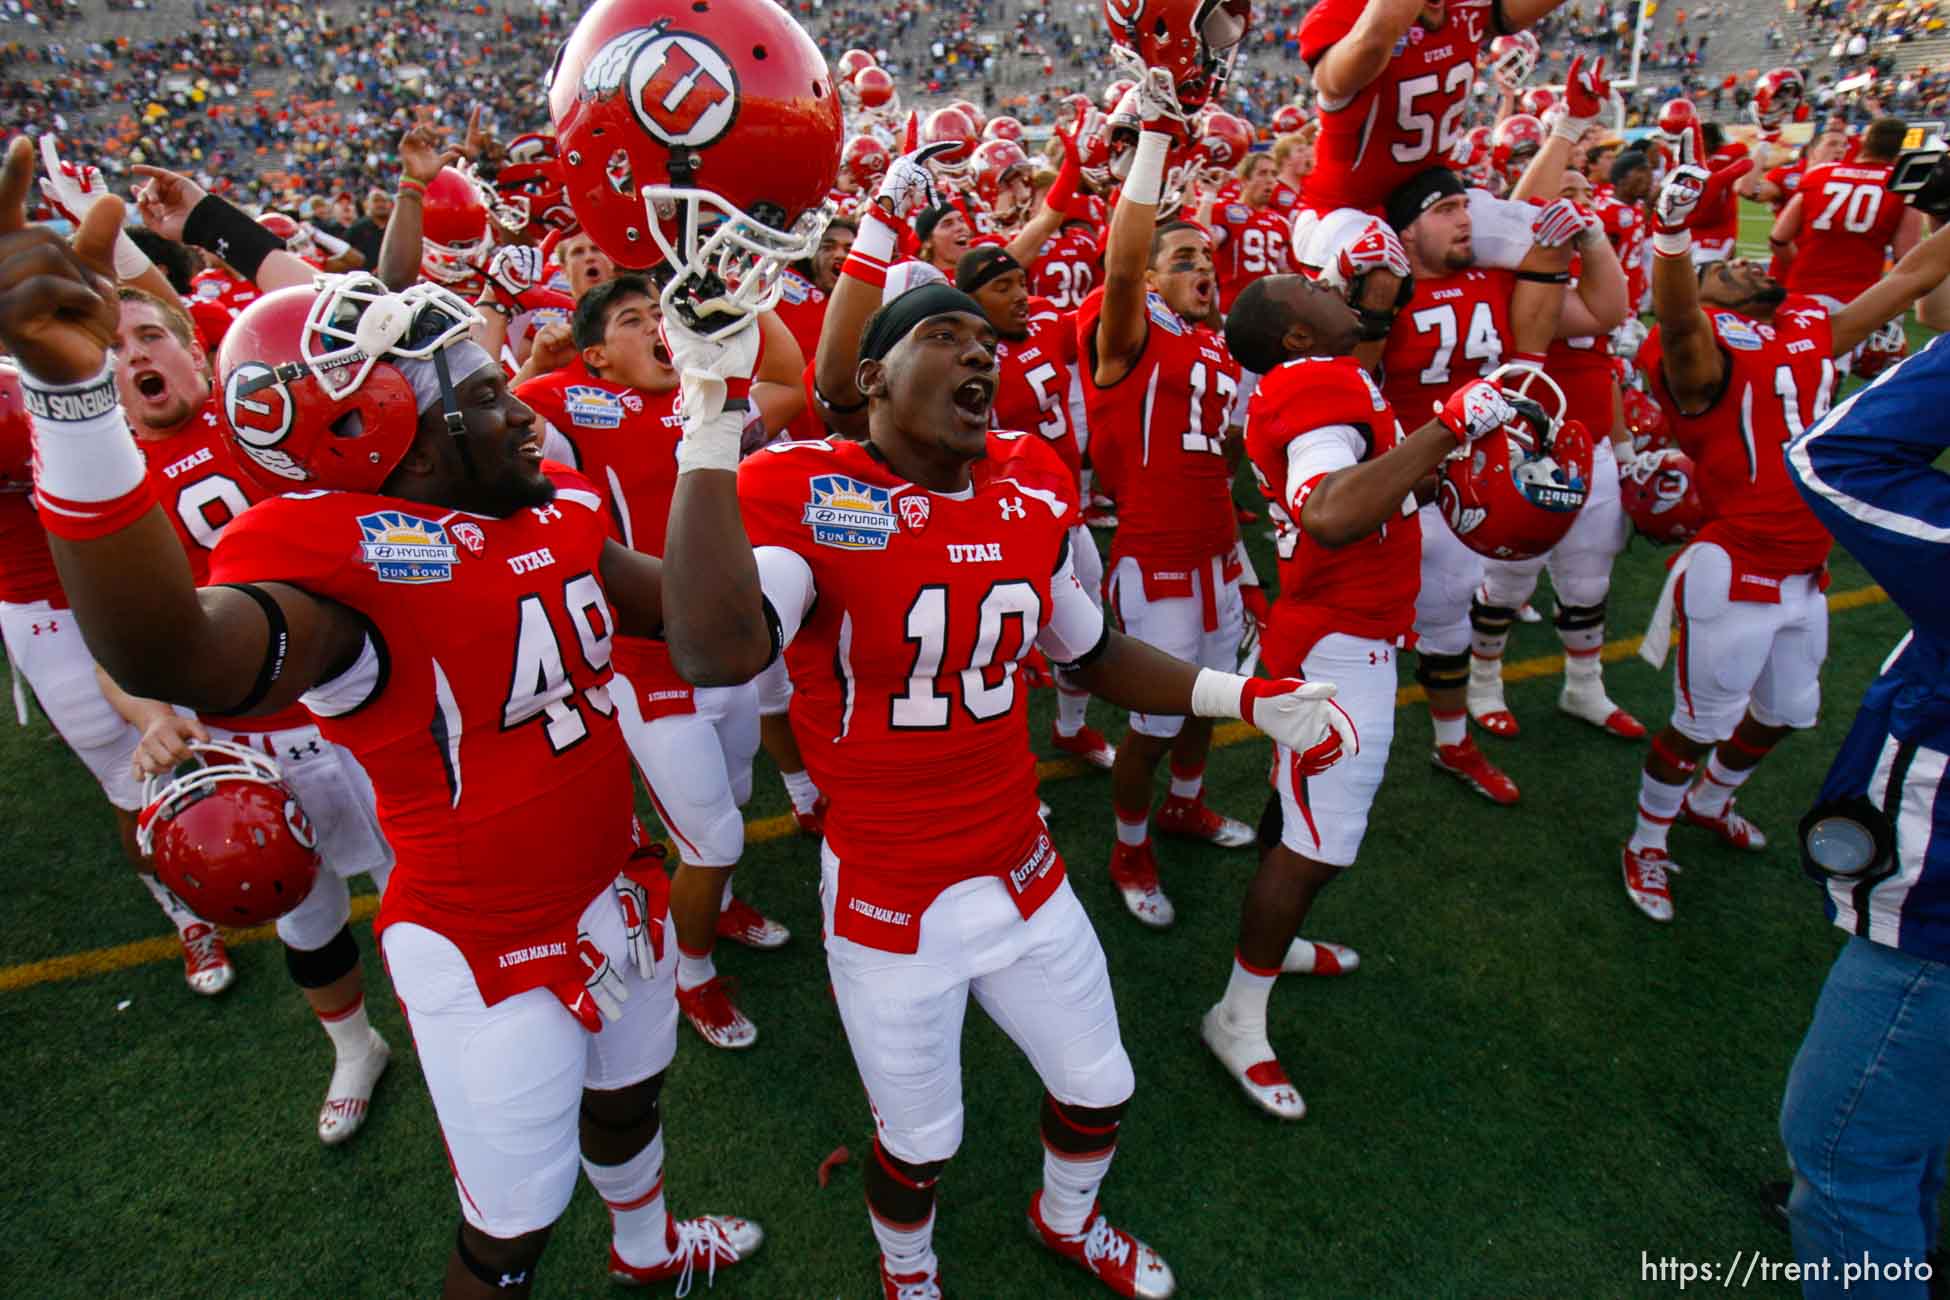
(130, 261)
(1673, 243)
(875, 238)
(1566, 127)
(1146, 181)
(83, 450)
(1216, 694)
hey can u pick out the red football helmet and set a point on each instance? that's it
(1678, 128)
(1881, 350)
(1114, 93)
(1195, 41)
(297, 239)
(951, 126)
(874, 88)
(298, 364)
(528, 194)
(1514, 143)
(1539, 100)
(1075, 105)
(1660, 493)
(1227, 140)
(997, 163)
(1779, 97)
(1514, 493)
(851, 64)
(1645, 420)
(1002, 127)
(229, 838)
(1288, 118)
(710, 143)
(863, 162)
(1513, 59)
(975, 114)
(454, 239)
(1471, 148)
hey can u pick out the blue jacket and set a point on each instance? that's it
(1868, 470)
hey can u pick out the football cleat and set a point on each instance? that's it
(716, 1017)
(1134, 870)
(1730, 826)
(1485, 698)
(1088, 744)
(1193, 819)
(1305, 957)
(1595, 707)
(1101, 513)
(1645, 881)
(1466, 763)
(740, 922)
(1249, 1059)
(349, 1095)
(1111, 1255)
(701, 1243)
(813, 823)
(909, 1286)
(206, 962)
(1527, 613)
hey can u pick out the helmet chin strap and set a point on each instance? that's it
(450, 412)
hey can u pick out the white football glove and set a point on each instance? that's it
(1304, 717)
(908, 187)
(1560, 222)
(516, 268)
(711, 371)
(602, 982)
(1477, 408)
(644, 933)
(73, 191)
(1673, 209)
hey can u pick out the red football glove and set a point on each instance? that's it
(1585, 90)
(1303, 717)
(1257, 607)
(1559, 222)
(1479, 407)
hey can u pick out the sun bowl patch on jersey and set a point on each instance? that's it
(405, 548)
(590, 407)
(1740, 334)
(849, 514)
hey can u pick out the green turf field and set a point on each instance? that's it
(1526, 1090)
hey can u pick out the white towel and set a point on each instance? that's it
(1657, 642)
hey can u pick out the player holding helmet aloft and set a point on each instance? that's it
(1390, 105)
(1465, 321)
(1740, 369)
(1580, 564)
(1340, 476)
(447, 564)
(1160, 389)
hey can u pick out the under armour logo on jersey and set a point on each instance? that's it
(51, 628)
(546, 513)
(1012, 508)
(512, 1279)
(310, 747)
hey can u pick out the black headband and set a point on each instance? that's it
(1419, 193)
(893, 322)
(978, 266)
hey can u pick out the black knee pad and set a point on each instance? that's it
(1080, 1130)
(1490, 620)
(322, 966)
(623, 1110)
(1578, 618)
(900, 1192)
(1439, 672)
(513, 1262)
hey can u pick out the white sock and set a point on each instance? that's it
(1187, 785)
(1247, 994)
(1133, 833)
(1583, 670)
(906, 1250)
(1070, 1186)
(694, 969)
(800, 789)
(1658, 805)
(1583, 641)
(349, 1030)
(173, 907)
(634, 1192)
(1450, 728)
(1485, 668)
(1070, 709)
(1715, 788)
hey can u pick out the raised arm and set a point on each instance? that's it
(1356, 59)
(1690, 355)
(1122, 324)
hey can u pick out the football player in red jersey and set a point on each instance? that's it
(1621, 206)
(1465, 321)
(1781, 183)
(1740, 367)
(1340, 477)
(1718, 242)
(618, 412)
(449, 564)
(1036, 356)
(1160, 390)
(1394, 78)
(906, 578)
(1843, 225)
(163, 381)
(1249, 234)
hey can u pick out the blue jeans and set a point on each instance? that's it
(1866, 1123)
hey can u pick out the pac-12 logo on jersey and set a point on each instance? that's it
(590, 407)
(849, 514)
(405, 548)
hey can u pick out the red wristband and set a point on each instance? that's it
(86, 521)
(862, 267)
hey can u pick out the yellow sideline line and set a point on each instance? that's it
(102, 961)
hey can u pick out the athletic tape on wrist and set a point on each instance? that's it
(713, 443)
(1147, 177)
(1217, 694)
(1673, 243)
(1571, 128)
(89, 477)
(130, 261)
